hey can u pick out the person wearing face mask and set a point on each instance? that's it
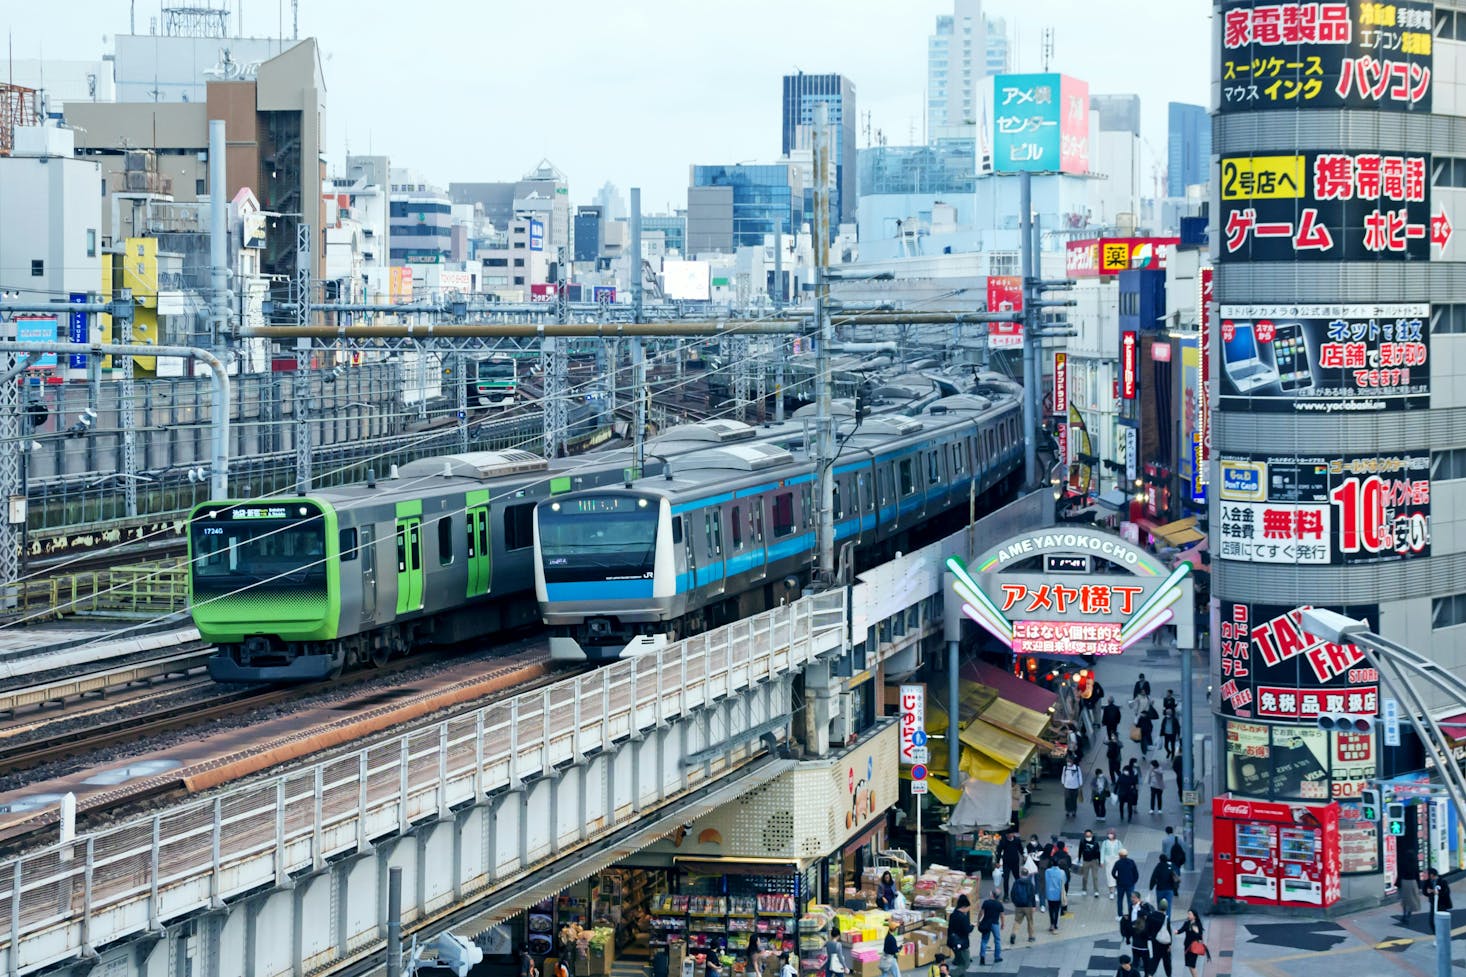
(1089, 864)
(1109, 855)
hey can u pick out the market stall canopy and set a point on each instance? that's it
(971, 763)
(982, 806)
(1009, 686)
(1179, 533)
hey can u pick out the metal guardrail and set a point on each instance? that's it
(141, 590)
(124, 880)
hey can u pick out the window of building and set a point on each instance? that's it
(519, 245)
(1448, 611)
(38, 268)
(1446, 319)
(445, 540)
(91, 242)
(1446, 465)
(496, 262)
(519, 526)
(519, 279)
(519, 262)
(198, 188)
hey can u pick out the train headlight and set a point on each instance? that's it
(554, 507)
(641, 503)
(304, 511)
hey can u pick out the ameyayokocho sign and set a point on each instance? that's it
(1326, 55)
(1333, 206)
(1271, 668)
(1323, 509)
(1324, 358)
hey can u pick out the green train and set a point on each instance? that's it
(297, 589)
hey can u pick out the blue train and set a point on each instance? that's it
(728, 529)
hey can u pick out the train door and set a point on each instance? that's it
(717, 581)
(409, 559)
(862, 503)
(480, 554)
(689, 550)
(366, 552)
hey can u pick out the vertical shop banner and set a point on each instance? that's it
(1352, 54)
(1073, 125)
(1189, 450)
(1005, 294)
(1202, 450)
(1129, 354)
(1130, 445)
(1325, 509)
(912, 708)
(1060, 406)
(76, 331)
(1325, 358)
(1271, 668)
(1333, 206)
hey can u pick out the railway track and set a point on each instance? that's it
(70, 684)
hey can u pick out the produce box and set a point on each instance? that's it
(867, 968)
(926, 954)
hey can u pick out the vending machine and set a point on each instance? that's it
(1275, 854)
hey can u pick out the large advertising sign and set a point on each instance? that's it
(1040, 123)
(1061, 385)
(1005, 294)
(1333, 206)
(1201, 448)
(1324, 358)
(1324, 509)
(1105, 256)
(913, 722)
(37, 329)
(1272, 668)
(1189, 450)
(1353, 54)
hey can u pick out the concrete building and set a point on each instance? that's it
(421, 220)
(51, 205)
(1114, 158)
(274, 143)
(1188, 147)
(58, 82)
(801, 94)
(502, 201)
(673, 228)
(737, 206)
(162, 67)
(964, 48)
(366, 187)
(588, 222)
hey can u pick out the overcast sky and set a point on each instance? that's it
(632, 92)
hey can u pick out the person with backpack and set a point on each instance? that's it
(1160, 939)
(1089, 864)
(1099, 794)
(1072, 779)
(1164, 882)
(1140, 935)
(1172, 849)
(1025, 900)
(959, 933)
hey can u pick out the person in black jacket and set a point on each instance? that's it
(1010, 856)
(1110, 719)
(1437, 895)
(1112, 754)
(1126, 875)
(959, 934)
(1089, 864)
(1127, 785)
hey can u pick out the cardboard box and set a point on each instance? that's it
(906, 959)
(867, 968)
(926, 954)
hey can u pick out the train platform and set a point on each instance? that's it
(33, 648)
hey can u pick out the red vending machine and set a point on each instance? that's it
(1271, 854)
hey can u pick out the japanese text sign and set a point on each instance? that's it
(1112, 255)
(1326, 55)
(1040, 123)
(1333, 206)
(1129, 356)
(1324, 358)
(1324, 509)
(912, 706)
(1061, 384)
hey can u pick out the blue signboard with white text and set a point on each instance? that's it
(1040, 123)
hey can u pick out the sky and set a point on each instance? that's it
(632, 93)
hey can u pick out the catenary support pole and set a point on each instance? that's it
(394, 921)
(824, 420)
(1028, 261)
(218, 238)
(638, 355)
(954, 747)
(1188, 755)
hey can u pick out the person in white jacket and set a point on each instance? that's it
(1109, 855)
(1073, 780)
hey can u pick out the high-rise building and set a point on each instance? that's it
(801, 94)
(964, 48)
(421, 220)
(729, 207)
(1188, 148)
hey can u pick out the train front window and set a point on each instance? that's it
(260, 547)
(598, 538)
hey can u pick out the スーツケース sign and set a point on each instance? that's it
(1328, 206)
(1324, 509)
(1323, 358)
(1326, 54)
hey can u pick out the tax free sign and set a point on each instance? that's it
(1016, 595)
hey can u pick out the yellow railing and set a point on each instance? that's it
(138, 590)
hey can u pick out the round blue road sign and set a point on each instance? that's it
(918, 771)
(918, 738)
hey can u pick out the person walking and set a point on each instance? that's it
(1163, 882)
(1126, 968)
(890, 964)
(1089, 864)
(1054, 882)
(1156, 780)
(1409, 886)
(1160, 940)
(1128, 786)
(1072, 778)
(1110, 719)
(1010, 857)
(959, 934)
(1025, 900)
(1193, 937)
(1169, 702)
(1112, 754)
(836, 960)
(886, 892)
(1126, 875)
(1170, 732)
(1142, 687)
(1147, 730)
(1109, 855)
(1140, 936)
(1099, 793)
(1437, 895)
(990, 927)
(1176, 766)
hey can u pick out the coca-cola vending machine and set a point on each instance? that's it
(1272, 854)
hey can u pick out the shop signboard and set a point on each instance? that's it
(912, 707)
(1061, 385)
(1188, 450)
(1102, 257)
(1271, 668)
(1005, 294)
(1040, 123)
(1202, 447)
(536, 235)
(1325, 359)
(604, 294)
(1344, 54)
(1329, 206)
(76, 331)
(1324, 509)
(1129, 344)
(37, 329)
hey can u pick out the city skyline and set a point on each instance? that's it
(680, 88)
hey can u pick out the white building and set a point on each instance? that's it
(965, 48)
(420, 220)
(59, 82)
(365, 187)
(51, 209)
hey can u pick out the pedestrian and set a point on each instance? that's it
(886, 892)
(939, 968)
(1142, 687)
(1035, 847)
(1437, 895)
(1109, 855)
(1073, 780)
(959, 933)
(890, 965)
(1110, 719)
(1089, 864)
(1075, 749)
(836, 961)
(1054, 882)
(1127, 920)
(1164, 882)
(1065, 861)
(1170, 732)
(1125, 969)
(1128, 785)
(990, 927)
(1176, 766)
(1160, 940)
(1157, 782)
(527, 966)
(1193, 940)
(715, 966)
(753, 957)
(1096, 702)
(1099, 793)
(1025, 900)
(1147, 731)
(1112, 754)
(1126, 875)
(1140, 937)
(1010, 856)
(1169, 702)
(1409, 884)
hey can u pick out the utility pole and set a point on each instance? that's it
(638, 354)
(824, 421)
(552, 357)
(303, 378)
(1030, 331)
(218, 238)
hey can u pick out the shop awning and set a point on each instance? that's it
(576, 865)
(1008, 749)
(1179, 533)
(1453, 724)
(943, 791)
(702, 865)
(1027, 694)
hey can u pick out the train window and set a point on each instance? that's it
(862, 490)
(884, 476)
(401, 550)
(347, 541)
(933, 468)
(838, 510)
(806, 505)
(519, 526)
(957, 458)
(677, 529)
(713, 521)
(908, 484)
(736, 524)
(783, 514)
(445, 541)
(756, 521)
